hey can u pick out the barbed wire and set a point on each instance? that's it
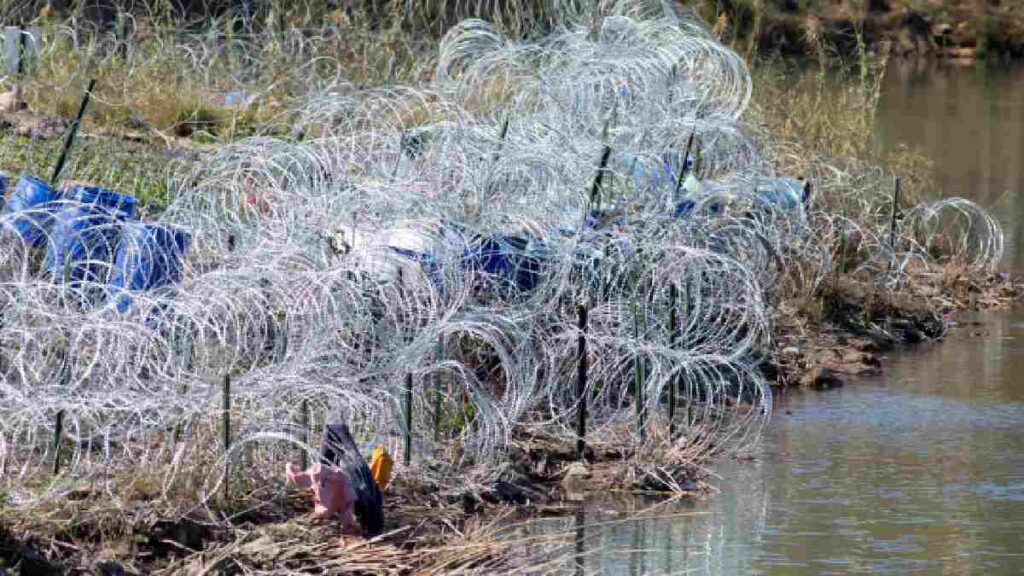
(448, 233)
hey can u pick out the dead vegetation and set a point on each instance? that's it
(846, 329)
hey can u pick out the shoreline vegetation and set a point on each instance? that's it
(168, 102)
(964, 31)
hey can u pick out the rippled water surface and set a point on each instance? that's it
(970, 122)
(920, 471)
(917, 472)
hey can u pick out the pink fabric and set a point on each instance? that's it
(333, 493)
(261, 205)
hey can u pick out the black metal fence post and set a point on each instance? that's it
(58, 432)
(407, 452)
(226, 423)
(581, 383)
(304, 422)
(437, 393)
(638, 382)
(673, 335)
(892, 222)
(72, 131)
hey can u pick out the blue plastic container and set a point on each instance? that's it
(782, 193)
(661, 173)
(516, 262)
(123, 204)
(81, 245)
(684, 208)
(31, 208)
(427, 262)
(4, 182)
(148, 256)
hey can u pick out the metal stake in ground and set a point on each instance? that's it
(437, 392)
(58, 431)
(892, 223)
(595, 188)
(808, 195)
(21, 52)
(226, 423)
(407, 452)
(673, 335)
(187, 350)
(842, 243)
(58, 425)
(304, 422)
(638, 382)
(72, 130)
(407, 394)
(581, 383)
(682, 169)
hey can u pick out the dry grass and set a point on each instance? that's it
(303, 546)
(437, 521)
(257, 532)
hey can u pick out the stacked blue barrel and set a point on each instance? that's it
(4, 182)
(93, 242)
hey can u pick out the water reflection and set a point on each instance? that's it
(970, 121)
(919, 472)
(642, 536)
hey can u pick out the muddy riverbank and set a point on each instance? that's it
(852, 325)
(952, 29)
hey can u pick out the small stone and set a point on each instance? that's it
(863, 344)
(791, 352)
(911, 335)
(11, 101)
(574, 484)
(470, 503)
(112, 568)
(821, 379)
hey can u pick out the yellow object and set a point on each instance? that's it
(380, 466)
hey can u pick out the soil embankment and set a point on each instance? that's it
(956, 29)
(852, 325)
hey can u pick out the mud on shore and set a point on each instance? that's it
(850, 325)
(954, 29)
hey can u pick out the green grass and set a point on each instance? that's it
(166, 80)
(99, 160)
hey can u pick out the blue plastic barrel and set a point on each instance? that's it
(783, 193)
(684, 208)
(4, 182)
(123, 204)
(427, 262)
(516, 262)
(30, 208)
(661, 172)
(81, 244)
(148, 256)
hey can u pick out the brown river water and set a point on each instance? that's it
(918, 471)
